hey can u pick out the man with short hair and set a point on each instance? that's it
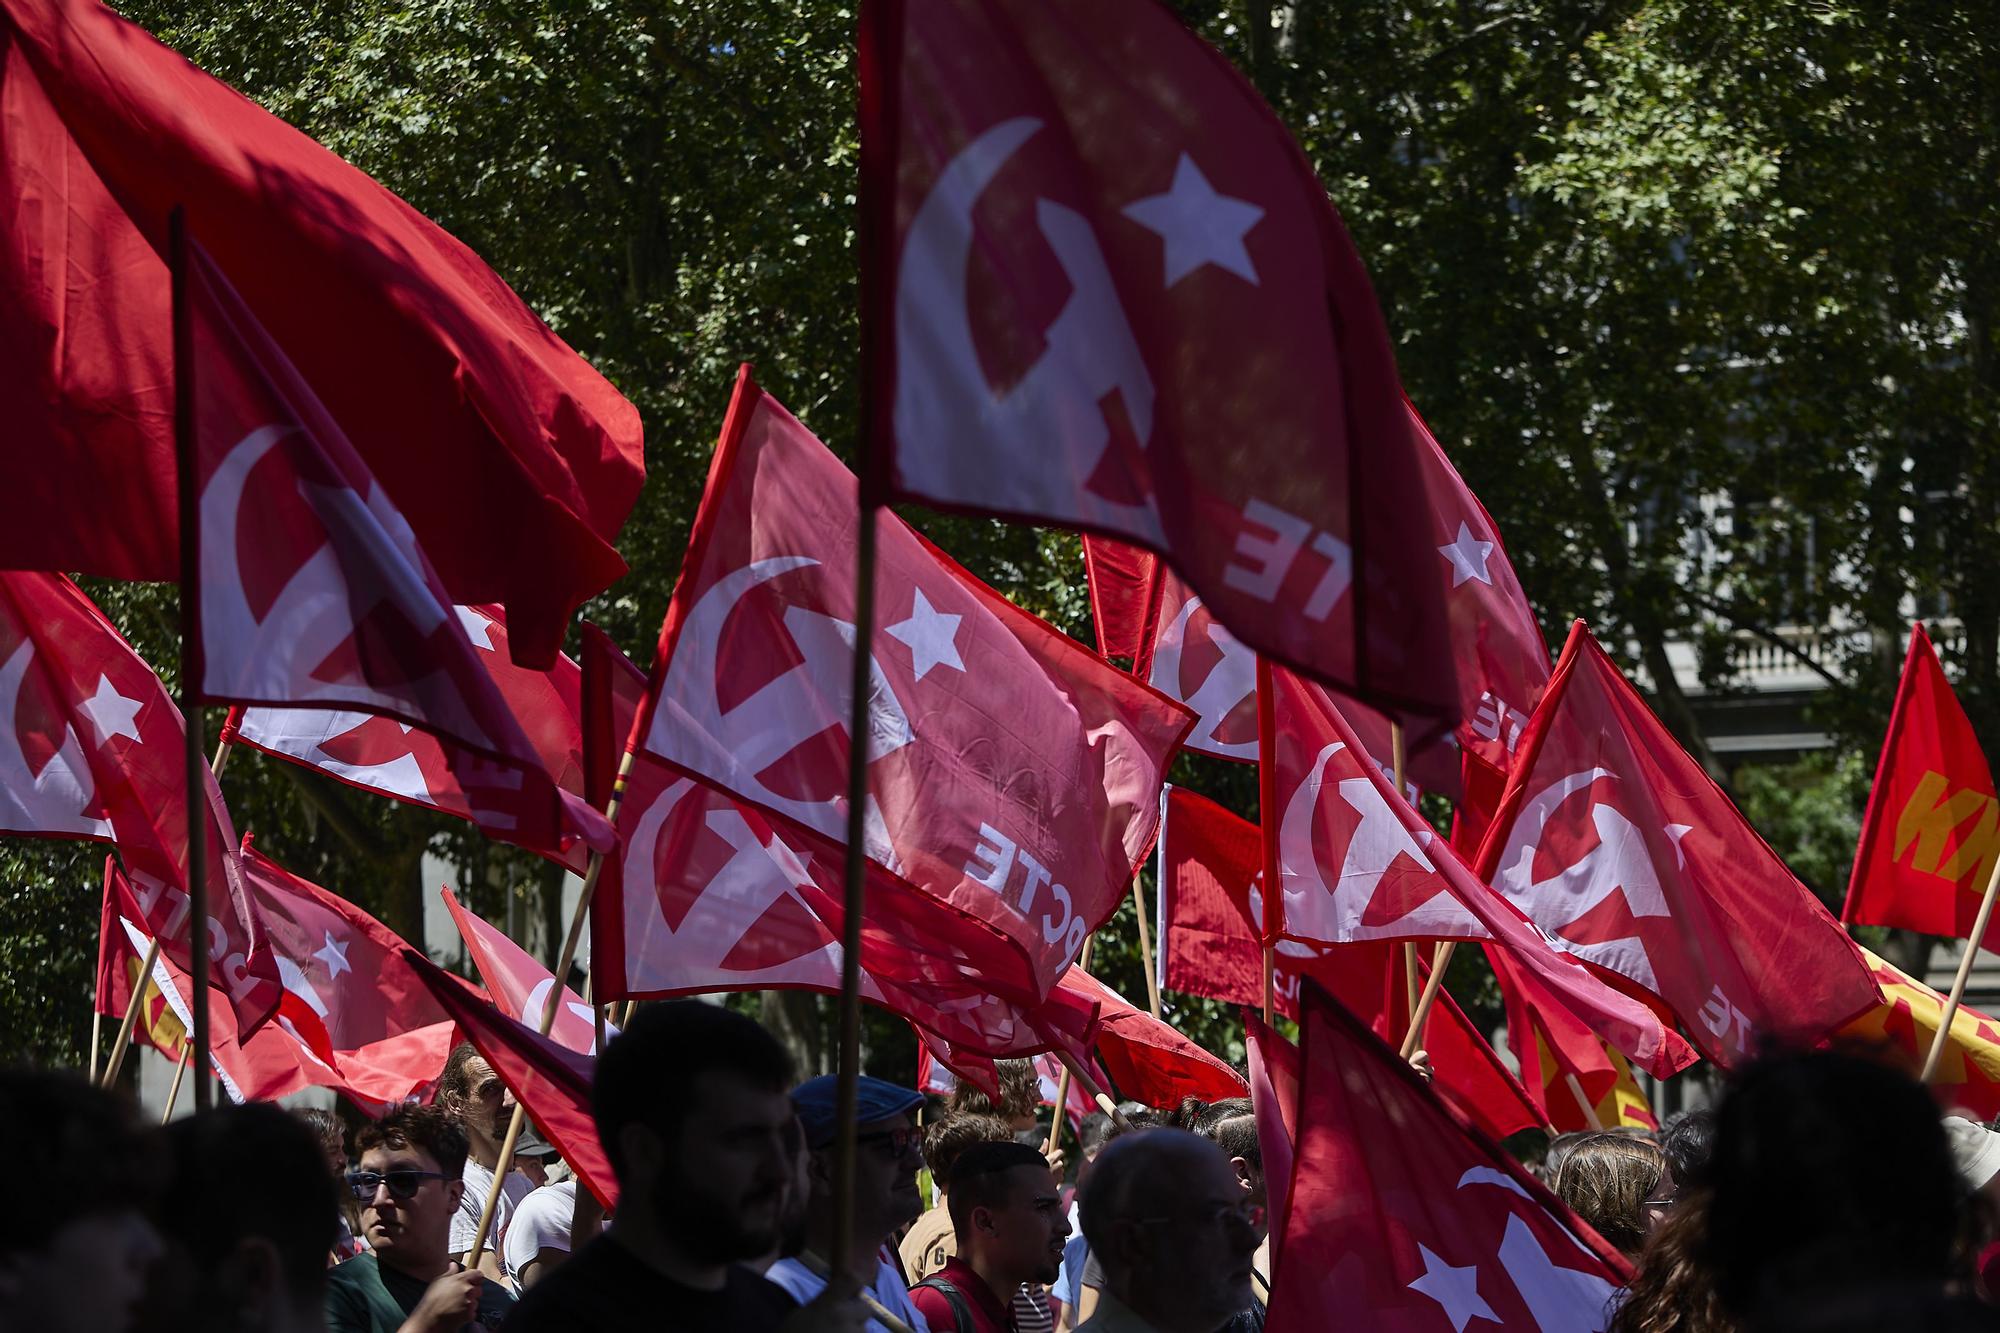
(930, 1240)
(690, 1106)
(249, 1217)
(1007, 1217)
(76, 1244)
(410, 1182)
(472, 1094)
(885, 1193)
(1167, 1220)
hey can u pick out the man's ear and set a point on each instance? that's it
(819, 1169)
(642, 1150)
(454, 1192)
(1245, 1175)
(252, 1277)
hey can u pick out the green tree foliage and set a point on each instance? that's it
(1685, 289)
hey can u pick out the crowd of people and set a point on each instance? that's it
(1823, 1193)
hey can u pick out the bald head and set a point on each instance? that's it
(1169, 1221)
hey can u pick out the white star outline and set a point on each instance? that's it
(111, 713)
(930, 635)
(1198, 225)
(1468, 556)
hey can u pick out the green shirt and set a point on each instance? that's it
(364, 1297)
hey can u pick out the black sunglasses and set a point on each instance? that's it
(403, 1185)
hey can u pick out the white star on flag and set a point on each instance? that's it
(334, 954)
(1675, 832)
(931, 636)
(1456, 1289)
(1198, 225)
(1468, 557)
(477, 627)
(111, 713)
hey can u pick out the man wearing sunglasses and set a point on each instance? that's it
(889, 1154)
(409, 1185)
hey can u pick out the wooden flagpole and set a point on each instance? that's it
(96, 1041)
(123, 1040)
(1964, 974)
(191, 663)
(1396, 757)
(1062, 1081)
(174, 1093)
(1432, 986)
(1590, 1116)
(550, 1007)
(1097, 1094)
(1146, 948)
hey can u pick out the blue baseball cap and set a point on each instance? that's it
(816, 1098)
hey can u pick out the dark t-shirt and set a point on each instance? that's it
(605, 1286)
(364, 1296)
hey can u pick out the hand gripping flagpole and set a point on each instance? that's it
(1396, 761)
(550, 1008)
(1418, 1016)
(1964, 974)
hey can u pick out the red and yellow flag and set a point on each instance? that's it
(1968, 1077)
(1932, 831)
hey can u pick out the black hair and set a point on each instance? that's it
(252, 1170)
(1237, 1137)
(1092, 1133)
(83, 1154)
(1689, 1142)
(1830, 1172)
(424, 1128)
(647, 1074)
(977, 1178)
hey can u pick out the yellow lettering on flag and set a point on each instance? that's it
(1928, 819)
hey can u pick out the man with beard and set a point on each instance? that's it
(691, 1109)
(1006, 1212)
(886, 1161)
(473, 1095)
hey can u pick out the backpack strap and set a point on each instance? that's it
(961, 1312)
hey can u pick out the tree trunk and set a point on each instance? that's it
(802, 1021)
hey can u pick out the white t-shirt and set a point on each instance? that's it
(804, 1285)
(542, 1222)
(465, 1222)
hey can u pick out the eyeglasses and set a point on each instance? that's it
(898, 1141)
(1667, 1202)
(403, 1185)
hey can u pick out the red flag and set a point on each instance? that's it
(121, 947)
(1565, 1067)
(1063, 211)
(708, 894)
(528, 460)
(520, 985)
(353, 1018)
(1356, 862)
(1212, 892)
(1120, 579)
(1403, 1216)
(614, 693)
(95, 749)
(548, 1078)
(1149, 1060)
(1274, 1096)
(404, 763)
(312, 590)
(1931, 836)
(1619, 846)
(1013, 773)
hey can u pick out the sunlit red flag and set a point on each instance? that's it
(1273, 1063)
(1403, 1216)
(518, 983)
(1149, 1060)
(353, 1019)
(93, 748)
(548, 1078)
(552, 815)
(1356, 863)
(1568, 1070)
(1627, 854)
(1103, 289)
(1931, 837)
(1211, 892)
(513, 460)
(1012, 773)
